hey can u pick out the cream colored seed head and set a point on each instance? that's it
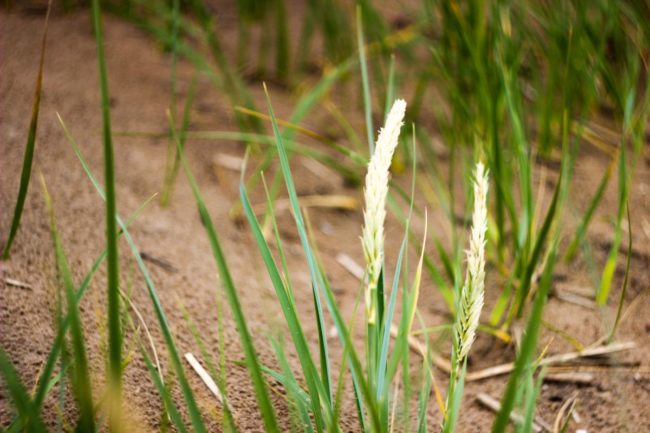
(375, 193)
(472, 293)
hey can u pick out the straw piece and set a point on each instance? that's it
(205, 377)
(565, 412)
(420, 348)
(555, 359)
(350, 265)
(333, 201)
(16, 283)
(230, 162)
(572, 298)
(570, 377)
(493, 404)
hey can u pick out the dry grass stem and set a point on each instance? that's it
(493, 404)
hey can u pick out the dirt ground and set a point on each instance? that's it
(616, 400)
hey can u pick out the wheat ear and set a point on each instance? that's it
(374, 212)
(471, 297)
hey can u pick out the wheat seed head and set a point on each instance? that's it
(472, 293)
(375, 192)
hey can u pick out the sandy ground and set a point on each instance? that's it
(616, 400)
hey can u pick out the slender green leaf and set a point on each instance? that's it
(29, 417)
(28, 158)
(318, 282)
(365, 81)
(528, 344)
(191, 407)
(261, 391)
(113, 281)
(81, 385)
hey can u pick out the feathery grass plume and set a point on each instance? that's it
(471, 297)
(374, 212)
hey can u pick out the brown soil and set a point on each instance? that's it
(617, 399)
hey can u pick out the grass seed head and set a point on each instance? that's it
(471, 301)
(375, 193)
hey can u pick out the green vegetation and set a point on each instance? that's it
(29, 148)
(113, 298)
(513, 90)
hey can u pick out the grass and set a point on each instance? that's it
(188, 396)
(30, 147)
(509, 85)
(265, 407)
(115, 337)
(80, 378)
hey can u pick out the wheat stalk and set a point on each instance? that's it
(471, 297)
(374, 212)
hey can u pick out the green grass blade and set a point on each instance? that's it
(172, 172)
(286, 302)
(365, 81)
(171, 148)
(586, 218)
(44, 383)
(261, 391)
(28, 158)
(229, 422)
(454, 400)
(169, 405)
(192, 408)
(295, 395)
(382, 382)
(318, 283)
(409, 309)
(522, 153)
(282, 41)
(390, 88)
(317, 277)
(532, 390)
(528, 344)
(333, 162)
(114, 326)
(81, 385)
(619, 309)
(610, 265)
(28, 416)
(232, 82)
(523, 291)
(278, 239)
(385, 337)
(302, 108)
(424, 398)
(165, 38)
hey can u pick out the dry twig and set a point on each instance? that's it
(493, 404)
(206, 378)
(16, 283)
